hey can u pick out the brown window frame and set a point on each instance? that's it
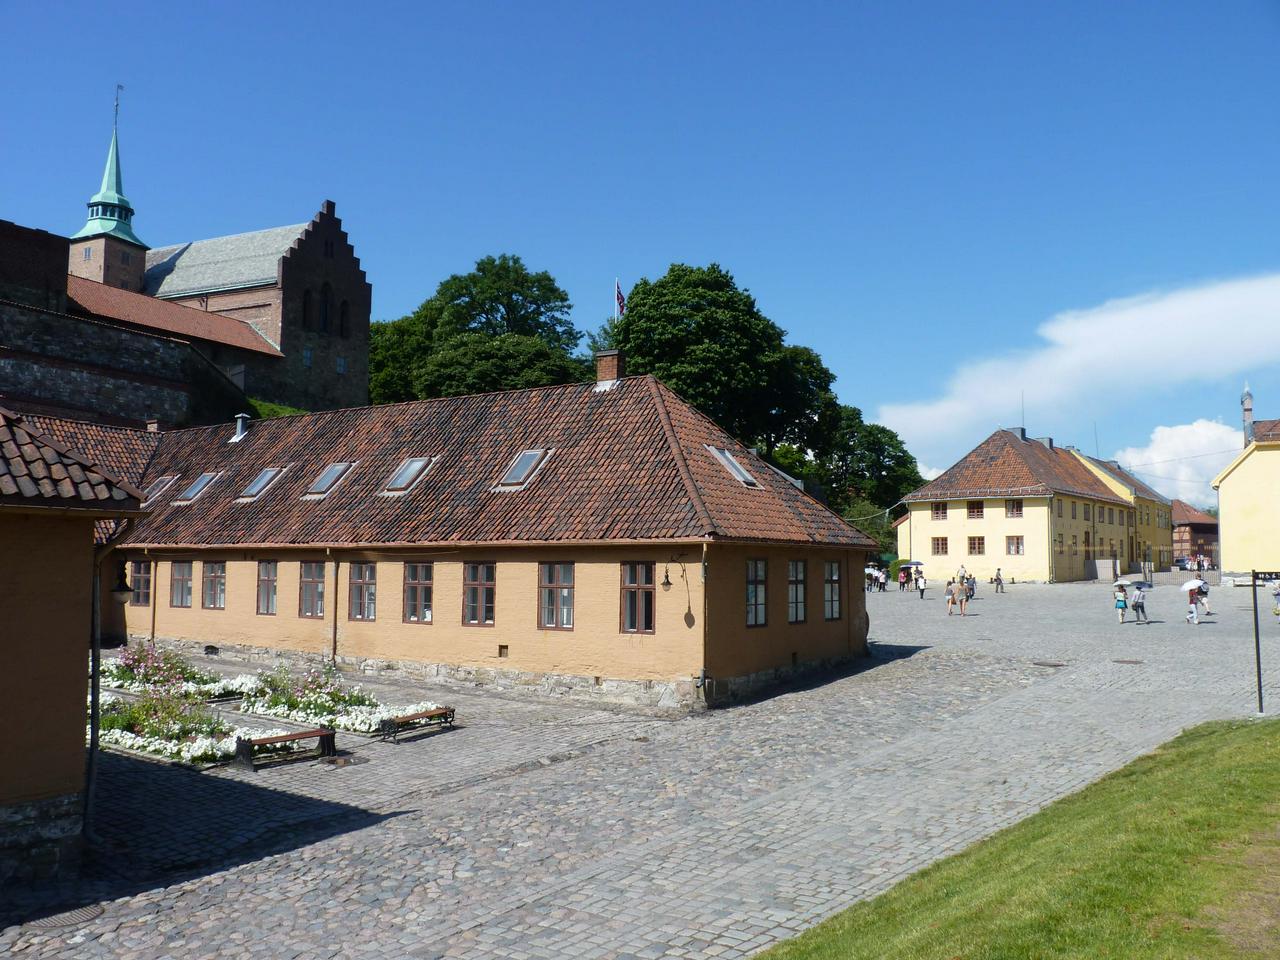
(982, 546)
(140, 581)
(933, 546)
(490, 585)
(827, 583)
(418, 585)
(304, 581)
(175, 579)
(976, 509)
(638, 588)
(1013, 509)
(938, 511)
(803, 583)
(556, 586)
(1022, 546)
(215, 578)
(274, 580)
(362, 590)
(757, 593)
(1059, 509)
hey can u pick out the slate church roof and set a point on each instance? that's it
(39, 471)
(628, 463)
(1006, 465)
(223, 263)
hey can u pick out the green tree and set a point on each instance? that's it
(706, 339)
(499, 327)
(502, 296)
(476, 363)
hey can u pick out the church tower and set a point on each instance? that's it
(106, 249)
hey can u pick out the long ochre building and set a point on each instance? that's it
(602, 537)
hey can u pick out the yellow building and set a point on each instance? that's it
(1034, 511)
(1249, 499)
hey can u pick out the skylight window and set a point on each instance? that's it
(408, 473)
(522, 469)
(158, 487)
(737, 470)
(328, 479)
(198, 486)
(260, 483)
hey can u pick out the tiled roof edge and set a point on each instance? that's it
(108, 475)
(677, 453)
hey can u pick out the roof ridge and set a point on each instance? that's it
(677, 453)
(232, 236)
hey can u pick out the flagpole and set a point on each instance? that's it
(617, 285)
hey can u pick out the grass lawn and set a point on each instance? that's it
(1176, 855)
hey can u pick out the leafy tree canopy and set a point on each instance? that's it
(477, 363)
(502, 296)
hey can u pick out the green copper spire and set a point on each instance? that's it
(110, 213)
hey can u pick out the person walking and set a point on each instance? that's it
(950, 594)
(902, 579)
(1122, 602)
(962, 597)
(1191, 607)
(970, 587)
(1202, 598)
(1138, 600)
(961, 574)
(920, 585)
(999, 581)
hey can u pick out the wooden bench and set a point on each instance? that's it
(245, 747)
(440, 717)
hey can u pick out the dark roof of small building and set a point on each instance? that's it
(1005, 465)
(1129, 480)
(1266, 430)
(102, 300)
(124, 450)
(221, 263)
(39, 471)
(1185, 514)
(627, 464)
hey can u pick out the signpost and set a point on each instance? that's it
(1257, 636)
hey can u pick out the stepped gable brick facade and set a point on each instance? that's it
(300, 287)
(690, 570)
(50, 498)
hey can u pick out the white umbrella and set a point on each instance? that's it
(1192, 585)
(1123, 583)
(871, 570)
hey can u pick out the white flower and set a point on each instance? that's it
(358, 719)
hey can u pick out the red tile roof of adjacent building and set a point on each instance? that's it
(39, 471)
(1184, 513)
(125, 450)
(1266, 430)
(140, 310)
(1005, 465)
(627, 464)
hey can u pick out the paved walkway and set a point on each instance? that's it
(554, 830)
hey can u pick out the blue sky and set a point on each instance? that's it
(913, 189)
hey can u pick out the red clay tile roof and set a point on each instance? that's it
(1129, 480)
(38, 471)
(1266, 430)
(172, 318)
(1004, 465)
(628, 464)
(1185, 513)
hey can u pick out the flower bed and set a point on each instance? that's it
(172, 726)
(319, 697)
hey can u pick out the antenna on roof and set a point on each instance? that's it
(115, 122)
(1097, 450)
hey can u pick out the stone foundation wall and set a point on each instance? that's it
(673, 695)
(40, 839)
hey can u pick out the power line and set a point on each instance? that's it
(1194, 456)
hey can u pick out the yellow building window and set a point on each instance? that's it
(939, 546)
(1013, 508)
(977, 546)
(939, 511)
(1014, 546)
(975, 509)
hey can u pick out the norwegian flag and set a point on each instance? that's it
(621, 300)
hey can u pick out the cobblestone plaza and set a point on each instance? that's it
(549, 829)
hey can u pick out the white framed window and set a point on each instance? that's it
(730, 463)
(523, 469)
(158, 486)
(406, 476)
(197, 487)
(329, 478)
(258, 486)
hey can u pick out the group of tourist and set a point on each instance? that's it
(1133, 596)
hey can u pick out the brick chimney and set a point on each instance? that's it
(153, 425)
(608, 366)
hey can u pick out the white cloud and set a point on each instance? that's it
(1180, 461)
(928, 472)
(1094, 359)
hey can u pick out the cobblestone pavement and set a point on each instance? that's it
(540, 830)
